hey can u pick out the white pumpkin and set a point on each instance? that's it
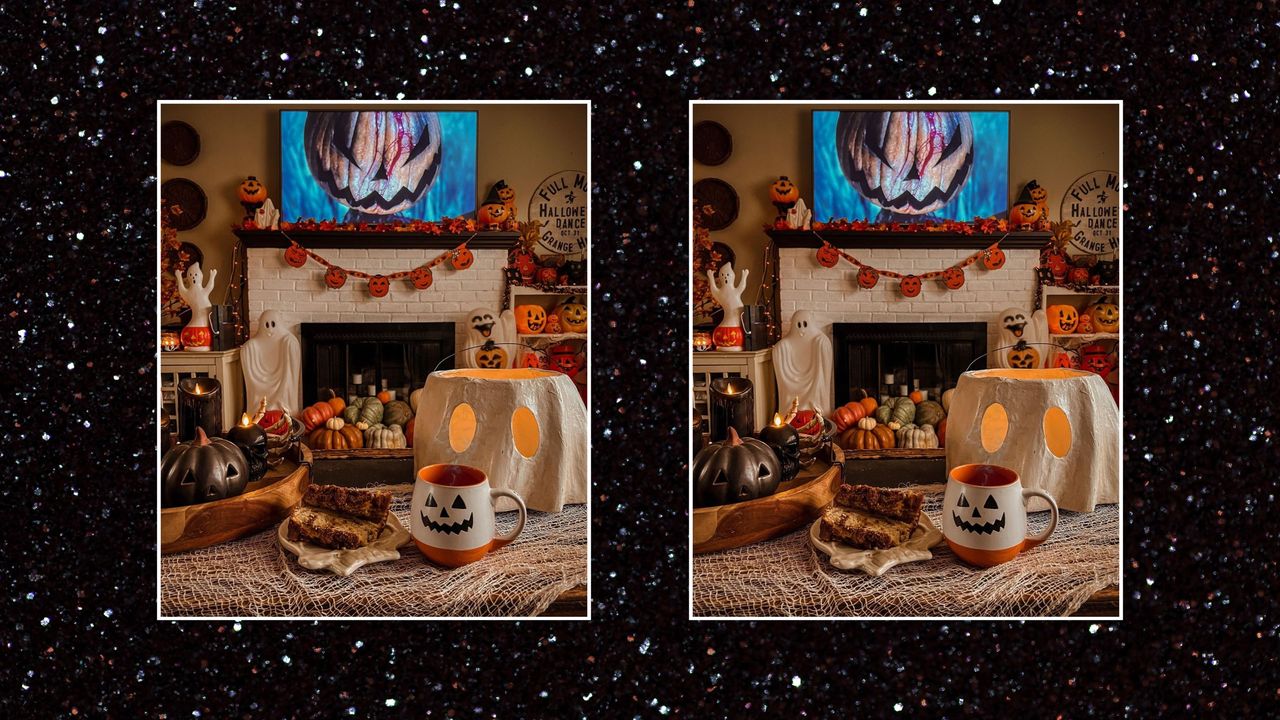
(384, 436)
(912, 436)
(946, 399)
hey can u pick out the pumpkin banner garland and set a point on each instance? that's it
(952, 277)
(420, 277)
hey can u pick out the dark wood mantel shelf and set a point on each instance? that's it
(389, 240)
(870, 239)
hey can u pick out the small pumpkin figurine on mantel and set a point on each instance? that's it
(252, 194)
(735, 470)
(1025, 212)
(202, 470)
(783, 194)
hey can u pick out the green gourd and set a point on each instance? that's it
(367, 410)
(929, 413)
(913, 436)
(397, 412)
(384, 436)
(900, 410)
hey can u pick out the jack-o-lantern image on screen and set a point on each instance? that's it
(377, 165)
(905, 166)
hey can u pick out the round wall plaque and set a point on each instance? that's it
(722, 198)
(560, 204)
(186, 195)
(1092, 204)
(179, 143)
(712, 143)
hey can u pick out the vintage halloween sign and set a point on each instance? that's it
(1092, 204)
(560, 204)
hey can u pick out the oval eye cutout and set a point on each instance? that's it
(995, 426)
(462, 427)
(1057, 431)
(524, 431)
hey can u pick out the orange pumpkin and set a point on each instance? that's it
(530, 319)
(917, 397)
(847, 415)
(870, 404)
(252, 191)
(384, 397)
(1063, 319)
(337, 403)
(866, 435)
(1023, 215)
(315, 415)
(335, 435)
(942, 433)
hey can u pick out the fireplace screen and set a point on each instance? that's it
(882, 358)
(362, 359)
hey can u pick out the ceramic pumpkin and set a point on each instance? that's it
(379, 286)
(1024, 356)
(530, 319)
(491, 215)
(533, 359)
(1084, 323)
(252, 192)
(993, 259)
(1023, 215)
(1040, 197)
(906, 162)
(735, 470)
(336, 434)
(953, 278)
(1105, 317)
(335, 277)
(202, 470)
(491, 356)
(507, 195)
(295, 256)
(421, 277)
(868, 277)
(573, 317)
(866, 435)
(553, 326)
(462, 259)
(910, 286)
(548, 275)
(373, 162)
(828, 256)
(1062, 319)
(783, 194)
(1065, 358)
(1078, 276)
(1096, 359)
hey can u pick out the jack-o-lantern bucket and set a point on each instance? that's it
(1057, 428)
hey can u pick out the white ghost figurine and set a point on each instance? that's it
(271, 361)
(802, 362)
(1016, 325)
(729, 335)
(195, 294)
(267, 217)
(484, 325)
(799, 217)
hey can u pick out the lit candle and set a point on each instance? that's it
(888, 379)
(357, 379)
(371, 390)
(252, 441)
(731, 404)
(785, 442)
(169, 342)
(702, 342)
(199, 405)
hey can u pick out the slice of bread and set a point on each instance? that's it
(365, 504)
(330, 529)
(862, 530)
(896, 504)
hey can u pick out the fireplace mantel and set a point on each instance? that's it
(873, 239)
(386, 240)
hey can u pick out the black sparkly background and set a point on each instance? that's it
(77, 146)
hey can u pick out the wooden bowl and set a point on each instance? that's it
(263, 504)
(794, 505)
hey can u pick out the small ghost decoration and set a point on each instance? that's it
(1019, 331)
(980, 515)
(802, 364)
(447, 512)
(486, 326)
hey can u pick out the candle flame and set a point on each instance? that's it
(244, 420)
(777, 420)
(198, 390)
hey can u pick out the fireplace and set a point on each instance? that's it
(928, 356)
(349, 359)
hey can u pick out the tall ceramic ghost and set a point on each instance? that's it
(197, 335)
(484, 326)
(729, 335)
(271, 361)
(1018, 340)
(802, 363)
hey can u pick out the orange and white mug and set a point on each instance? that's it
(983, 516)
(452, 518)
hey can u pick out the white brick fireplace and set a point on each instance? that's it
(300, 294)
(833, 293)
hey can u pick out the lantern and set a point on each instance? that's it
(702, 342)
(524, 428)
(1057, 428)
(169, 341)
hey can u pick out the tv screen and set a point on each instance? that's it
(377, 166)
(905, 166)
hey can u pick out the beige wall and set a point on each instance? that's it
(521, 144)
(1052, 144)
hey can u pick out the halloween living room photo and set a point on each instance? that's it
(906, 359)
(373, 396)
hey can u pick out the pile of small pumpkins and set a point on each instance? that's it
(366, 422)
(568, 317)
(1100, 317)
(900, 422)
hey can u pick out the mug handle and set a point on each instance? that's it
(1053, 521)
(500, 540)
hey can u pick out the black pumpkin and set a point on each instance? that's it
(202, 470)
(734, 470)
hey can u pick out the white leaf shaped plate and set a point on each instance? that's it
(345, 562)
(876, 562)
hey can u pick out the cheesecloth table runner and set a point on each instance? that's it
(255, 577)
(787, 576)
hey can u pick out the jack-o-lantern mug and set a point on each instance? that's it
(452, 519)
(983, 516)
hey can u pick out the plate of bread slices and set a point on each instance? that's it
(873, 529)
(342, 529)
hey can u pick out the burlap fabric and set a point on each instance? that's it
(255, 577)
(786, 576)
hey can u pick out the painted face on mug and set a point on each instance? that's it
(447, 513)
(980, 514)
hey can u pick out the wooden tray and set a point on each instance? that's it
(262, 505)
(796, 504)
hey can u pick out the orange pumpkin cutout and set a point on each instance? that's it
(492, 215)
(530, 319)
(993, 259)
(491, 357)
(828, 256)
(1062, 319)
(910, 286)
(462, 259)
(335, 277)
(868, 277)
(953, 278)
(252, 192)
(783, 193)
(295, 256)
(421, 277)
(1023, 215)
(379, 286)
(1024, 357)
